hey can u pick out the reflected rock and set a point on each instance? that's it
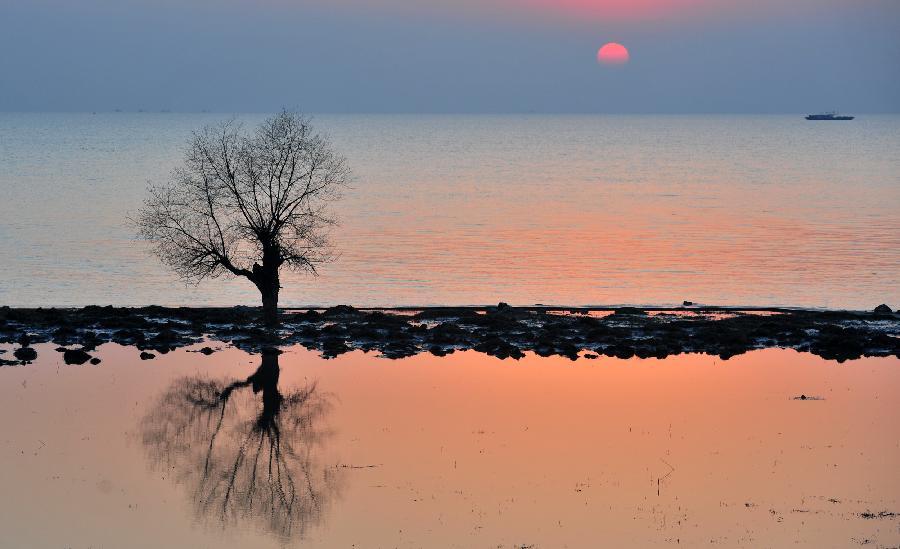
(75, 356)
(25, 354)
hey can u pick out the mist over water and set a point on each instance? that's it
(577, 210)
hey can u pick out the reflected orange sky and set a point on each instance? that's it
(468, 450)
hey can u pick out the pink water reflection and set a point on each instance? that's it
(468, 450)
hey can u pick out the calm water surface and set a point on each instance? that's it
(462, 451)
(739, 210)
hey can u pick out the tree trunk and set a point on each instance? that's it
(270, 303)
(270, 306)
(265, 277)
(266, 280)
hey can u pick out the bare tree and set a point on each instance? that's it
(248, 204)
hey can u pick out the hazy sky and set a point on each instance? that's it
(450, 55)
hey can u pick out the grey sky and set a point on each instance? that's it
(369, 56)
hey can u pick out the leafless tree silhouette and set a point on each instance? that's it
(247, 204)
(243, 459)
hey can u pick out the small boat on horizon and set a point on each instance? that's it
(833, 115)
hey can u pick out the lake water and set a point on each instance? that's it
(460, 451)
(575, 210)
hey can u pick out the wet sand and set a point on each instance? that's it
(464, 450)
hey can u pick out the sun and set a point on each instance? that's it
(613, 53)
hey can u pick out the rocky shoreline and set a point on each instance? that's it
(502, 331)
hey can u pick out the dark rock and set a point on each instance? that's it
(341, 310)
(501, 331)
(399, 349)
(90, 340)
(568, 350)
(440, 351)
(419, 329)
(687, 303)
(64, 334)
(76, 356)
(147, 356)
(620, 351)
(25, 354)
(435, 313)
(207, 351)
(166, 335)
(629, 311)
(503, 312)
(95, 361)
(883, 310)
(447, 333)
(334, 330)
(310, 316)
(308, 333)
(129, 336)
(499, 348)
(504, 320)
(379, 319)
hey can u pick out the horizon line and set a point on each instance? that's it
(445, 113)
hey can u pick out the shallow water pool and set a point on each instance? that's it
(237, 450)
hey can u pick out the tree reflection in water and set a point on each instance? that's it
(246, 455)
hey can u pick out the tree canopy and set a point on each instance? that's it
(247, 203)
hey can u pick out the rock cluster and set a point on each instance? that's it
(502, 331)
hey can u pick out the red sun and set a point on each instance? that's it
(613, 54)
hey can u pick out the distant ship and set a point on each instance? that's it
(828, 116)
